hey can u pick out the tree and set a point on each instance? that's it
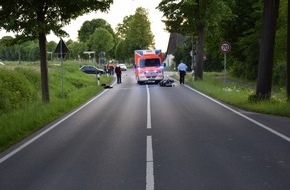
(77, 49)
(101, 41)
(191, 18)
(243, 32)
(288, 54)
(121, 53)
(35, 18)
(6, 49)
(89, 27)
(266, 58)
(139, 34)
(136, 31)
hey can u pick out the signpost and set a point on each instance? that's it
(225, 48)
(89, 53)
(102, 58)
(61, 49)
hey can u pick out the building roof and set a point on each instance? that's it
(175, 40)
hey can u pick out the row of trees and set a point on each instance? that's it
(33, 20)
(25, 51)
(94, 35)
(254, 28)
(97, 35)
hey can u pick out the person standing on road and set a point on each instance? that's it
(182, 71)
(118, 72)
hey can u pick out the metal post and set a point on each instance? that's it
(225, 69)
(62, 71)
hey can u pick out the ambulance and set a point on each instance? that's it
(148, 66)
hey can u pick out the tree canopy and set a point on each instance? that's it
(135, 32)
(193, 18)
(89, 27)
(36, 18)
(101, 41)
(28, 18)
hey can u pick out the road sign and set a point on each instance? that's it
(61, 49)
(102, 54)
(225, 47)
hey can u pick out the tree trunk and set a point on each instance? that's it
(288, 54)
(43, 68)
(266, 59)
(200, 52)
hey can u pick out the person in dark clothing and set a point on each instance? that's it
(118, 72)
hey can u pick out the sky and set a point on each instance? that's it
(118, 10)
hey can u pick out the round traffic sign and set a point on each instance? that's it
(225, 47)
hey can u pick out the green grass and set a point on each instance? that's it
(237, 92)
(78, 88)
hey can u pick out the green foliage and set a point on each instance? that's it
(101, 40)
(25, 51)
(41, 16)
(213, 64)
(181, 16)
(18, 88)
(239, 93)
(30, 114)
(89, 27)
(50, 46)
(77, 49)
(136, 32)
(279, 74)
(35, 19)
(193, 18)
(121, 54)
(139, 34)
(243, 32)
(182, 53)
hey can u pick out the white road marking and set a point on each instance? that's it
(148, 109)
(149, 165)
(15, 151)
(149, 152)
(244, 116)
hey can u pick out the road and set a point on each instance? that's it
(141, 137)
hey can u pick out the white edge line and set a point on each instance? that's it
(149, 165)
(7, 156)
(242, 115)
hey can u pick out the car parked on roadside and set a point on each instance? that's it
(90, 69)
(123, 67)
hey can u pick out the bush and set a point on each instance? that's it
(280, 74)
(16, 89)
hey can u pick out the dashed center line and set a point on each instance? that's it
(149, 165)
(148, 109)
(149, 152)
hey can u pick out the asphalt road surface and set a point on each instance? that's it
(142, 137)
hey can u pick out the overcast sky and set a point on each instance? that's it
(117, 12)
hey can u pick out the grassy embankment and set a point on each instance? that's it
(236, 92)
(21, 109)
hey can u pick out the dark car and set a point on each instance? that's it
(89, 69)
